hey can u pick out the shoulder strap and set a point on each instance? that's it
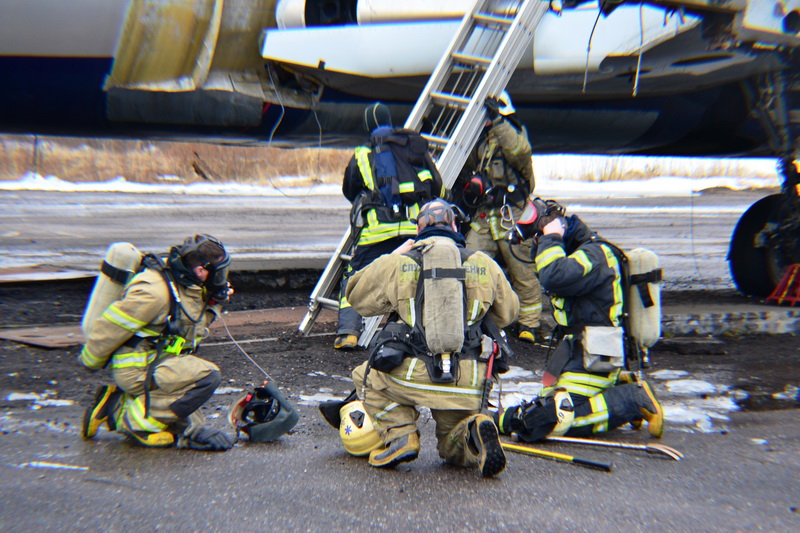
(631, 350)
(152, 261)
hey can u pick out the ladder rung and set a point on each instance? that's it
(435, 139)
(328, 303)
(491, 18)
(447, 98)
(346, 257)
(472, 60)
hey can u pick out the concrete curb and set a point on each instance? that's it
(740, 319)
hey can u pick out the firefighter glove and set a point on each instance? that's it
(493, 106)
(205, 439)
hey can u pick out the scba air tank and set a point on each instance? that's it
(122, 261)
(644, 298)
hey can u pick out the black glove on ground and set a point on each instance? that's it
(205, 439)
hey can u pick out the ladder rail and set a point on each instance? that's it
(480, 60)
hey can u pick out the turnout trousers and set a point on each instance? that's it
(608, 410)
(522, 275)
(391, 400)
(180, 385)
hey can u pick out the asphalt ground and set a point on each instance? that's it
(739, 473)
(742, 453)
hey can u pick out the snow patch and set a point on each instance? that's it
(668, 374)
(691, 386)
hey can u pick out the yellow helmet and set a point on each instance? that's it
(358, 435)
(565, 412)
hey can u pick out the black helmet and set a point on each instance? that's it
(264, 414)
(205, 251)
(375, 116)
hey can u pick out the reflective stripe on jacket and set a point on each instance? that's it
(586, 286)
(142, 312)
(374, 230)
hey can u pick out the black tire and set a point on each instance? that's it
(755, 271)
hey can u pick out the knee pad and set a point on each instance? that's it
(192, 400)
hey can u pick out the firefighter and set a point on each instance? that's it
(432, 352)
(386, 182)
(582, 274)
(148, 339)
(493, 187)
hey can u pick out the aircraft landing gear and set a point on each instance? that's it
(766, 240)
(764, 244)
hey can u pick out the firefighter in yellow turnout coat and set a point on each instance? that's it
(390, 284)
(494, 185)
(159, 383)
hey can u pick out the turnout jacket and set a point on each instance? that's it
(360, 181)
(585, 286)
(503, 155)
(128, 330)
(586, 290)
(390, 283)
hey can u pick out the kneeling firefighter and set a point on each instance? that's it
(585, 387)
(433, 352)
(149, 337)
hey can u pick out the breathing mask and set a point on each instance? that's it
(217, 280)
(536, 215)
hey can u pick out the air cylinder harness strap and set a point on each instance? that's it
(169, 341)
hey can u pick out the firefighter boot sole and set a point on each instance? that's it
(484, 436)
(98, 411)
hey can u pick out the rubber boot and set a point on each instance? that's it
(629, 377)
(651, 410)
(401, 450)
(160, 439)
(485, 442)
(105, 399)
(345, 342)
(527, 334)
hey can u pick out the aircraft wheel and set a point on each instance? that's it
(756, 271)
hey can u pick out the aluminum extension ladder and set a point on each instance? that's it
(450, 113)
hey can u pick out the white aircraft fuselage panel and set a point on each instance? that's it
(405, 49)
(414, 48)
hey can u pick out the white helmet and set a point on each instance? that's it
(508, 107)
(358, 435)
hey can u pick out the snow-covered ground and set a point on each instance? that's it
(556, 176)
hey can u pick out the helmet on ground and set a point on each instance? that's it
(359, 436)
(508, 107)
(565, 412)
(263, 415)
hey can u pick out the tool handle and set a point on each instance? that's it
(605, 467)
